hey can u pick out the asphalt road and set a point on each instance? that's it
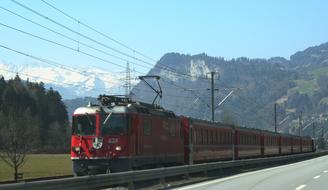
(306, 175)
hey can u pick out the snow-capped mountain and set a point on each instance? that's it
(70, 82)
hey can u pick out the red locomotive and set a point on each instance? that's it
(121, 135)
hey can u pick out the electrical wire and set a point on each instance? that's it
(54, 82)
(72, 39)
(64, 46)
(97, 31)
(99, 43)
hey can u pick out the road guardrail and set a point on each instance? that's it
(130, 177)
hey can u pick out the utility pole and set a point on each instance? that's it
(212, 94)
(275, 117)
(300, 124)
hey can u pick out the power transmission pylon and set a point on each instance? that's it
(127, 84)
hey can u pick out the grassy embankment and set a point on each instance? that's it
(40, 165)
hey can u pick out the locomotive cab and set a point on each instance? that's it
(99, 142)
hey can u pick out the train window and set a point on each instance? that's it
(146, 127)
(223, 137)
(230, 138)
(207, 137)
(211, 137)
(84, 124)
(198, 136)
(181, 131)
(172, 129)
(114, 124)
(216, 137)
(220, 137)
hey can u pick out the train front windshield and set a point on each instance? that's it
(84, 124)
(114, 124)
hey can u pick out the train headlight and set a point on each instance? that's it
(76, 148)
(118, 148)
(97, 143)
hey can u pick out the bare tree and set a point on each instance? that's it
(17, 136)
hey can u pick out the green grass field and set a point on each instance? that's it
(40, 165)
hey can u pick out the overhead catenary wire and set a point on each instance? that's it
(110, 38)
(56, 64)
(71, 47)
(51, 80)
(194, 93)
(97, 31)
(164, 94)
(170, 82)
(64, 46)
(253, 106)
(100, 43)
(71, 39)
(53, 63)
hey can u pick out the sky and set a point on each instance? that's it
(229, 29)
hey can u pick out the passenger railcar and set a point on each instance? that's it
(206, 141)
(270, 143)
(307, 144)
(285, 144)
(247, 143)
(296, 144)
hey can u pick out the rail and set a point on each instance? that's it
(130, 177)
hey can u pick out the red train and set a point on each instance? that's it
(122, 135)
